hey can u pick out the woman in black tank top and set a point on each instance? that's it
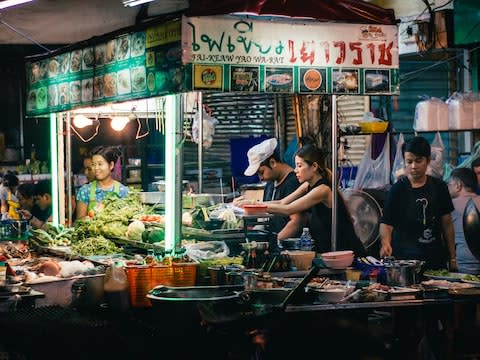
(315, 195)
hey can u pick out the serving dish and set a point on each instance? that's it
(255, 209)
(451, 276)
(474, 283)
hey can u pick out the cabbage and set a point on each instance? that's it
(135, 230)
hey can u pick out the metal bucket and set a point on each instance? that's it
(403, 272)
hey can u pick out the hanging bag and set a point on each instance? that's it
(398, 165)
(374, 173)
(435, 168)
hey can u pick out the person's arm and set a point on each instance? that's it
(291, 228)
(449, 236)
(317, 195)
(4, 206)
(82, 210)
(386, 240)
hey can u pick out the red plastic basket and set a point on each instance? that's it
(184, 274)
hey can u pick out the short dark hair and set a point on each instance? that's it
(466, 176)
(109, 153)
(43, 187)
(10, 179)
(418, 146)
(476, 162)
(26, 190)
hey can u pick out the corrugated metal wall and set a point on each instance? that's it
(421, 78)
(350, 110)
(243, 115)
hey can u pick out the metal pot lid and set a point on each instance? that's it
(366, 214)
(193, 294)
(471, 227)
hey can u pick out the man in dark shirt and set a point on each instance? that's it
(265, 161)
(417, 222)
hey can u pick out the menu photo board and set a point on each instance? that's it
(257, 55)
(129, 66)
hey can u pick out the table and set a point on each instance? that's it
(12, 301)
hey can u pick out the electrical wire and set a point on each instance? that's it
(422, 70)
(24, 36)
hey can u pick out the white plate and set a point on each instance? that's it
(475, 283)
(450, 277)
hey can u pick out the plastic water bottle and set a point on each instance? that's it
(306, 241)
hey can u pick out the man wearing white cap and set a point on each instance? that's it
(264, 160)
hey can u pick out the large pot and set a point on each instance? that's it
(403, 272)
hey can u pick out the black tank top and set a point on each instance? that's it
(321, 227)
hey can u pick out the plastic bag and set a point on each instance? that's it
(115, 278)
(474, 154)
(116, 286)
(374, 173)
(431, 114)
(208, 129)
(398, 165)
(435, 168)
(207, 250)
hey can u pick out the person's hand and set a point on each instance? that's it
(241, 201)
(385, 250)
(25, 214)
(452, 265)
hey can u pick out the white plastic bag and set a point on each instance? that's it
(398, 166)
(435, 168)
(205, 250)
(208, 129)
(374, 173)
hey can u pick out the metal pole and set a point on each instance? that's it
(200, 143)
(179, 161)
(68, 165)
(467, 87)
(334, 173)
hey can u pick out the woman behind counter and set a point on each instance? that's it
(315, 194)
(91, 195)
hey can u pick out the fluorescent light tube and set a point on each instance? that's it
(9, 3)
(132, 3)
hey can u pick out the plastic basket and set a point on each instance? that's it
(139, 282)
(184, 274)
(373, 126)
(143, 278)
(162, 275)
(302, 259)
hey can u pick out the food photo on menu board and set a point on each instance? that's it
(100, 55)
(313, 80)
(377, 81)
(345, 81)
(244, 78)
(278, 79)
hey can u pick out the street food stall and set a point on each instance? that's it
(193, 52)
(235, 52)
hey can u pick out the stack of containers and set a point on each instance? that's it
(143, 278)
(460, 111)
(431, 115)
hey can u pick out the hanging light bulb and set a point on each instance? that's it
(118, 123)
(80, 121)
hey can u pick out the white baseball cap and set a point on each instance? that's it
(258, 154)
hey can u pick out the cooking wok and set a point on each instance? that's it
(224, 304)
(471, 227)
